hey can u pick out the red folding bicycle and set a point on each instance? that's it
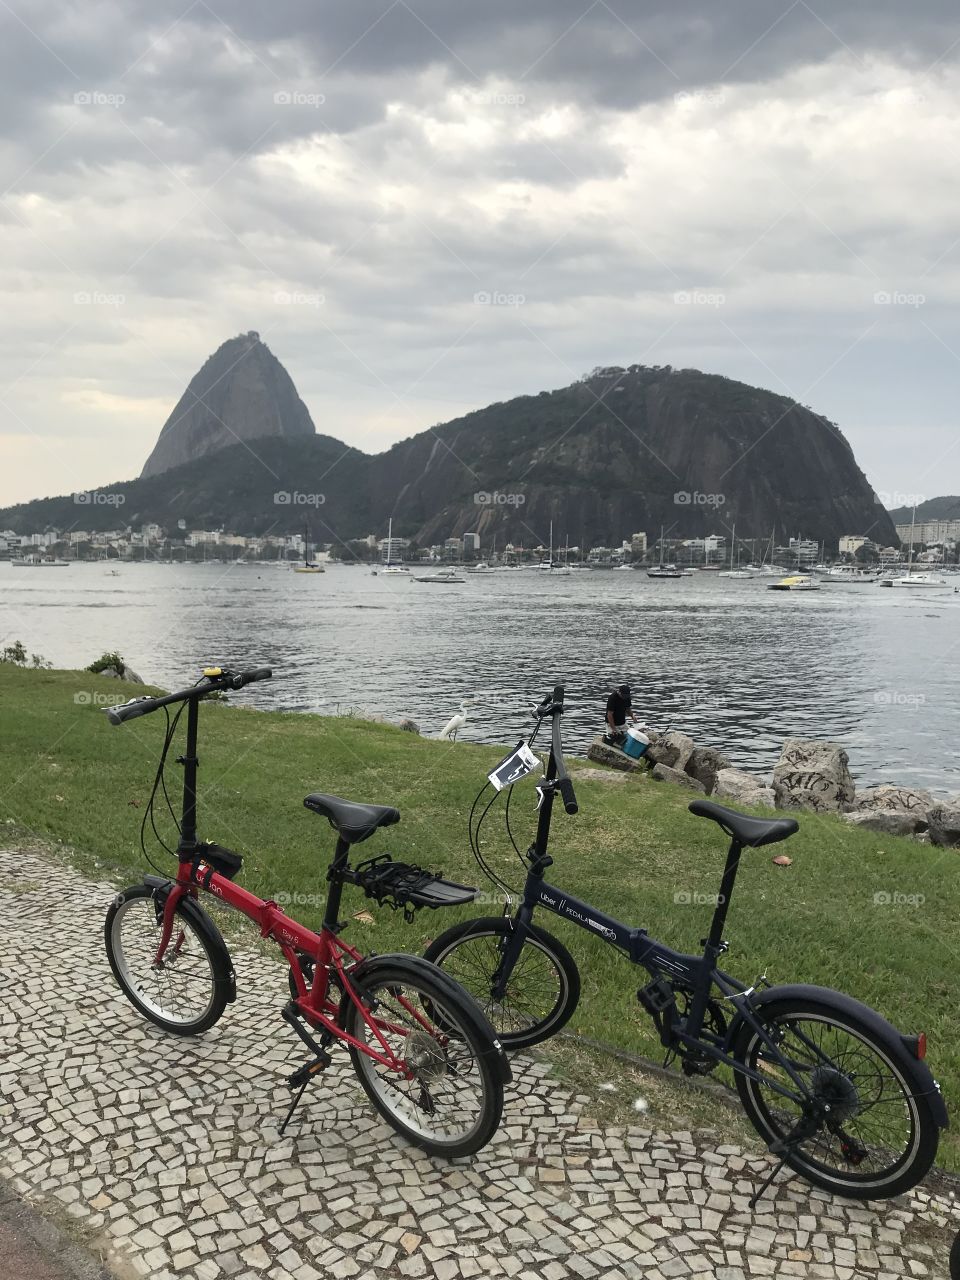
(423, 1050)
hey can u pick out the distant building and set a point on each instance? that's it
(453, 549)
(801, 550)
(471, 542)
(638, 544)
(9, 541)
(926, 531)
(851, 543)
(392, 548)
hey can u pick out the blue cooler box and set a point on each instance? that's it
(636, 743)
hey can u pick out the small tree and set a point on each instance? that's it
(16, 655)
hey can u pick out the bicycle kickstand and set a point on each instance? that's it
(757, 1196)
(782, 1147)
(303, 1075)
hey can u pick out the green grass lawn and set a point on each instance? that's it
(634, 850)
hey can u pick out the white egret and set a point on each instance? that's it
(453, 726)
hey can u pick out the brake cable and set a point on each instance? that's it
(475, 842)
(474, 834)
(159, 783)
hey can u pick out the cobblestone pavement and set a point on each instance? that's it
(166, 1151)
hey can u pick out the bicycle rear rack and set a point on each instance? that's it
(404, 886)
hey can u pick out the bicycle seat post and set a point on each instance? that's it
(728, 880)
(335, 885)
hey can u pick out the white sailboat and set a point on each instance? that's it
(734, 572)
(920, 581)
(664, 570)
(391, 568)
(556, 570)
(308, 566)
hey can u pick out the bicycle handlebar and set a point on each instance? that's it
(210, 684)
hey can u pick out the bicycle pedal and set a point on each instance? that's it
(656, 996)
(303, 1075)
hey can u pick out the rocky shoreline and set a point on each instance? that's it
(810, 775)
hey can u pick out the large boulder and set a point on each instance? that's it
(123, 673)
(742, 788)
(944, 820)
(887, 797)
(889, 822)
(672, 748)
(813, 775)
(601, 752)
(704, 765)
(663, 773)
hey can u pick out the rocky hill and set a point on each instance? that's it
(632, 449)
(946, 508)
(620, 450)
(242, 392)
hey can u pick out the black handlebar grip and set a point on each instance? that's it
(569, 799)
(248, 677)
(129, 710)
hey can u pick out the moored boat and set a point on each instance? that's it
(921, 581)
(442, 576)
(794, 582)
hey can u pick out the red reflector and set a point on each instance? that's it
(922, 1045)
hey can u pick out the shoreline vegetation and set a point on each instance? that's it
(873, 914)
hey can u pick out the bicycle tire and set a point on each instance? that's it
(848, 1083)
(460, 1052)
(517, 1027)
(207, 965)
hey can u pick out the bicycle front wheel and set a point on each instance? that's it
(876, 1134)
(443, 1089)
(188, 991)
(542, 990)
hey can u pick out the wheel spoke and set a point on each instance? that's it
(848, 1079)
(442, 1099)
(181, 989)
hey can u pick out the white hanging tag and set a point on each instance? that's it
(513, 767)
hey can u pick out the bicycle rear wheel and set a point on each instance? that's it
(877, 1135)
(189, 990)
(542, 991)
(447, 1096)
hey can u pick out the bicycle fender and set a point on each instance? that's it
(204, 925)
(492, 1053)
(899, 1045)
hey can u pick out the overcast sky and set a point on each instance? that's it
(425, 207)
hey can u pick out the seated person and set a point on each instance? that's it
(618, 709)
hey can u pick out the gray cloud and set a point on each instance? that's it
(592, 160)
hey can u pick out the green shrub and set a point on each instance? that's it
(107, 660)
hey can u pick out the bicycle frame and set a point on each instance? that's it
(698, 973)
(330, 956)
